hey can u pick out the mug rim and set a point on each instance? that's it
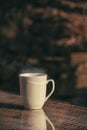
(32, 74)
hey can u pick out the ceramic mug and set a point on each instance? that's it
(35, 120)
(33, 87)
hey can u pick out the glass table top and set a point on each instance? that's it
(55, 115)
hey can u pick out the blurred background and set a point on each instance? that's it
(47, 36)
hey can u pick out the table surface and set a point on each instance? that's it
(55, 115)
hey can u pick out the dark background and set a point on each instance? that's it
(43, 35)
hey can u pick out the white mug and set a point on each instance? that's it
(35, 120)
(33, 89)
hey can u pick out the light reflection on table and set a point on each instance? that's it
(55, 115)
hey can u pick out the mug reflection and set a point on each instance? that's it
(35, 120)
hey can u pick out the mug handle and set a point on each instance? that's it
(53, 87)
(51, 124)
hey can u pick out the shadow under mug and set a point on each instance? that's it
(33, 87)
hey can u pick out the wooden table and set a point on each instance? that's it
(55, 115)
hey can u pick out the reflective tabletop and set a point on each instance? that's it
(55, 115)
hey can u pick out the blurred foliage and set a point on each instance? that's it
(34, 28)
